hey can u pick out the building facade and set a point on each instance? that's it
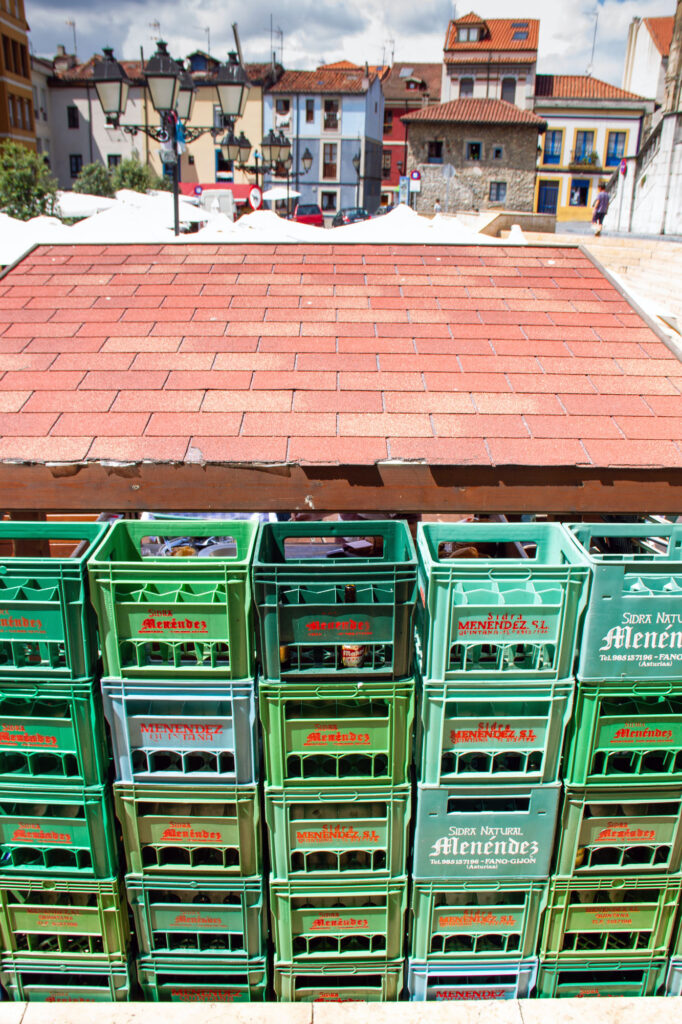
(336, 115)
(17, 123)
(406, 87)
(646, 56)
(41, 73)
(492, 58)
(591, 127)
(487, 149)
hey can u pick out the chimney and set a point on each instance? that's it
(63, 61)
(673, 76)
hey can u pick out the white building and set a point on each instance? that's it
(41, 73)
(646, 56)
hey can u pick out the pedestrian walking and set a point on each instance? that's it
(437, 206)
(600, 206)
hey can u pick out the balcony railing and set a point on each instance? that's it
(586, 158)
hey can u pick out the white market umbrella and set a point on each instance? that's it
(280, 192)
(78, 204)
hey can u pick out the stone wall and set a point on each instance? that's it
(470, 188)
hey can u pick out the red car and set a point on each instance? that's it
(308, 213)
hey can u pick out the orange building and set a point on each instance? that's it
(16, 94)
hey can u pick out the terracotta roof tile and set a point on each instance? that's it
(498, 34)
(661, 30)
(324, 80)
(476, 111)
(579, 87)
(430, 371)
(394, 84)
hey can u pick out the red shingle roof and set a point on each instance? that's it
(394, 84)
(133, 69)
(582, 87)
(322, 81)
(661, 30)
(480, 355)
(499, 34)
(476, 111)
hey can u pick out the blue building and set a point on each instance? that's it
(335, 113)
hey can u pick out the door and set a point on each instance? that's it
(548, 196)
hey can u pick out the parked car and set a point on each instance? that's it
(308, 213)
(381, 211)
(350, 215)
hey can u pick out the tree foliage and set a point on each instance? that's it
(27, 188)
(94, 180)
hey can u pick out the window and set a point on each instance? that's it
(388, 121)
(584, 145)
(434, 152)
(474, 150)
(498, 191)
(466, 87)
(7, 49)
(10, 107)
(615, 148)
(282, 106)
(519, 29)
(552, 151)
(43, 103)
(580, 191)
(309, 111)
(498, 152)
(224, 170)
(386, 163)
(328, 202)
(113, 160)
(509, 90)
(283, 113)
(24, 61)
(72, 118)
(331, 115)
(468, 35)
(329, 160)
(219, 120)
(75, 164)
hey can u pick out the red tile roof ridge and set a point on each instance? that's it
(579, 87)
(661, 31)
(476, 111)
(499, 34)
(323, 80)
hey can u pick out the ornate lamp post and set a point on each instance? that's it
(356, 165)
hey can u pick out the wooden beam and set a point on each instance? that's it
(398, 487)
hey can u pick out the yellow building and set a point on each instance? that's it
(591, 127)
(17, 120)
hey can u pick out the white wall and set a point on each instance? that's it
(488, 85)
(643, 72)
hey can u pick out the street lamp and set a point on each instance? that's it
(307, 160)
(111, 84)
(232, 84)
(356, 165)
(162, 76)
(186, 94)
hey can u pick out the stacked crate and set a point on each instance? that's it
(336, 606)
(64, 928)
(500, 610)
(179, 695)
(614, 897)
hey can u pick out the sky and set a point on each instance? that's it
(318, 31)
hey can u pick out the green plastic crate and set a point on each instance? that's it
(473, 733)
(673, 984)
(46, 624)
(446, 980)
(199, 980)
(348, 832)
(607, 917)
(306, 626)
(52, 732)
(338, 919)
(207, 830)
(58, 830)
(70, 981)
(338, 982)
(603, 831)
(470, 921)
(185, 917)
(324, 734)
(48, 919)
(465, 832)
(504, 618)
(625, 734)
(639, 977)
(633, 624)
(189, 616)
(182, 734)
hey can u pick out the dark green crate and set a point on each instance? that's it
(502, 617)
(474, 732)
(348, 832)
(46, 624)
(64, 830)
(70, 981)
(338, 982)
(52, 732)
(607, 917)
(589, 978)
(326, 733)
(633, 623)
(625, 735)
(306, 626)
(185, 917)
(206, 830)
(471, 921)
(603, 831)
(341, 919)
(502, 832)
(50, 919)
(189, 616)
(199, 980)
